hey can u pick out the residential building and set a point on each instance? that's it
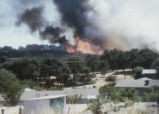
(139, 83)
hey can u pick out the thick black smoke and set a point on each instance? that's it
(35, 21)
(72, 12)
(53, 35)
(33, 18)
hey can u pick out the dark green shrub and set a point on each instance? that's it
(73, 99)
(110, 78)
(137, 72)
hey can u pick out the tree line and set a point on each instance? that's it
(43, 68)
(130, 59)
(33, 50)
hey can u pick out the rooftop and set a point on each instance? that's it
(36, 95)
(149, 71)
(140, 83)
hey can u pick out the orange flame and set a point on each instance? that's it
(83, 47)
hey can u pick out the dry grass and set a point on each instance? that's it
(81, 109)
(46, 110)
(140, 111)
(135, 110)
(76, 108)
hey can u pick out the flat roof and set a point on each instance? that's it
(149, 71)
(37, 95)
(48, 97)
(140, 83)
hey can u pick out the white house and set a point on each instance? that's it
(150, 73)
(54, 103)
(34, 101)
(139, 83)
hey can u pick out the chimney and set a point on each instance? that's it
(147, 82)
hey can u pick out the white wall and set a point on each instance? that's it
(35, 105)
(11, 110)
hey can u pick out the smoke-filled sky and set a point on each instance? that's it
(108, 24)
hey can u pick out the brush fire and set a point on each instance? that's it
(85, 47)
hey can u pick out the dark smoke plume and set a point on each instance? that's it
(72, 12)
(107, 24)
(53, 35)
(35, 21)
(74, 15)
(33, 18)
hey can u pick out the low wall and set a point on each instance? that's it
(12, 110)
(34, 105)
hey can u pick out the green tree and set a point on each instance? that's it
(129, 59)
(116, 58)
(137, 72)
(76, 64)
(3, 59)
(119, 94)
(93, 61)
(135, 58)
(26, 68)
(104, 66)
(155, 65)
(54, 67)
(151, 94)
(86, 70)
(149, 56)
(10, 87)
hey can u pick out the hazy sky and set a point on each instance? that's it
(16, 37)
(13, 35)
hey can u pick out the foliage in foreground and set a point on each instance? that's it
(10, 87)
(110, 78)
(155, 64)
(137, 72)
(73, 99)
(123, 94)
(96, 107)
